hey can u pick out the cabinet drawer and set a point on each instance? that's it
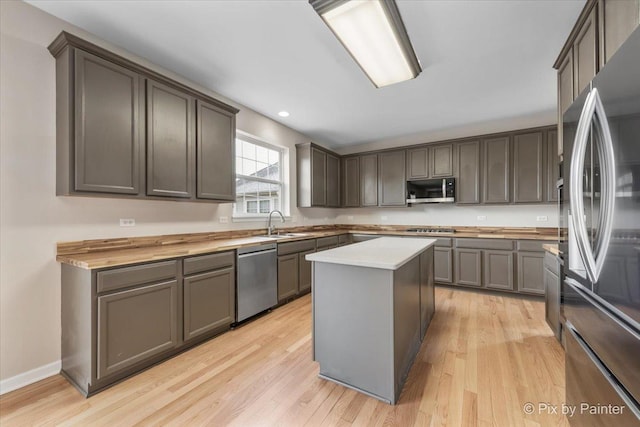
(444, 243)
(198, 264)
(500, 244)
(530, 245)
(111, 280)
(293, 247)
(551, 263)
(325, 242)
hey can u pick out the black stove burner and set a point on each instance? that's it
(431, 230)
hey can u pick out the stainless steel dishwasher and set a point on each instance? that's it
(257, 280)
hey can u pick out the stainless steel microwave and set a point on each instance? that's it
(441, 190)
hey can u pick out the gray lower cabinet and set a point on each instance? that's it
(304, 271)
(209, 302)
(287, 276)
(369, 180)
(136, 324)
(427, 297)
(468, 183)
(498, 269)
(497, 161)
(530, 269)
(528, 167)
(392, 182)
(351, 182)
(103, 154)
(552, 293)
(443, 264)
(468, 267)
(215, 169)
(170, 142)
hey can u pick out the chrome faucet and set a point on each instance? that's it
(272, 228)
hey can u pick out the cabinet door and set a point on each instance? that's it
(304, 271)
(498, 269)
(392, 182)
(351, 182)
(467, 267)
(552, 166)
(552, 301)
(318, 177)
(618, 19)
(427, 297)
(527, 167)
(333, 181)
(215, 142)
(287, 276)
(209, 302)
(530, 272)
(170, 153)
(441, 157)
(418, 163)
(443, 265)
(565, 92)
(585, 54)
(107, 127)
(369, 180)
(496, 157)
(135, 325)
(468, 185)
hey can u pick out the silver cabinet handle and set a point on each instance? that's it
(593, 113)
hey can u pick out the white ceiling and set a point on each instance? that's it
(483, 61)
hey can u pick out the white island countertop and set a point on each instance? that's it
(388, 253)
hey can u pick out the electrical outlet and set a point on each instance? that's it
(481, 217)
(223, 219)
(541, 218)
(294, 218)
(384, 217)
(350, 217)
(127, 222)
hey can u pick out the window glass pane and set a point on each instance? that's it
(262, 154)
(248, 150)
(265, 206)
(239, 169)
(248, 167)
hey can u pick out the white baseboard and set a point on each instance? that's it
(30, 377)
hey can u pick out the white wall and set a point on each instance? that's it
(33, 219)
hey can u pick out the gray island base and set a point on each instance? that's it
(372, 304)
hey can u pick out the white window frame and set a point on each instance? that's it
(282, 181)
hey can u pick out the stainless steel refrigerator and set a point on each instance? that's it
(600, 242)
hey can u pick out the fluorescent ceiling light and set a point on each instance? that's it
(374, 34)
(283, 114)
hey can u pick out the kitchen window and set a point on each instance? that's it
(259, 178)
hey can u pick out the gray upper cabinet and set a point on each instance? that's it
(351, 182)
(528, 167)
(552, 166)
(418, 163)
(441, 158)
(618, 19)
(585, 54)
(565, 84)
(369, 180)
(392, 184)
(170, 141)
(333, 181)
(468, 183)
(117, 136)
(318, 177)
(104, 156)
(496, 156)
(215, 127)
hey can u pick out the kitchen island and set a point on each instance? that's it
(372, 304)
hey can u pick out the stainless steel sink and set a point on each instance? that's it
(281, 235)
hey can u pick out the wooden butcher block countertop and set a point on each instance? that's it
(104, 253)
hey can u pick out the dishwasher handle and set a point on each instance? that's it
(255, 250)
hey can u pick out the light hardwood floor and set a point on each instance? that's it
(484, 357)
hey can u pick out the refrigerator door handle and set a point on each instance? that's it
(593, 112)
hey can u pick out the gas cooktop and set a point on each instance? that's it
(431, 230)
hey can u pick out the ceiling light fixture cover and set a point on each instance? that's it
(283, 114)
(373, 33)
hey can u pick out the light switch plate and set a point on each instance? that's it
(481, 217)
(541, 218)
(350, 217)
(127, 222)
